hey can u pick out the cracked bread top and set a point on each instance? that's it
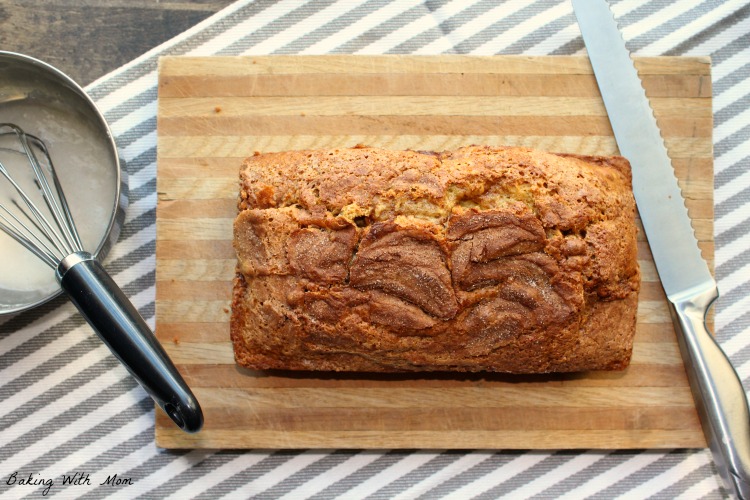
(475, 249)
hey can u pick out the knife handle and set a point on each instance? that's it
(719, 396)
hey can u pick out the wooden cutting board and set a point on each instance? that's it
(215, 111)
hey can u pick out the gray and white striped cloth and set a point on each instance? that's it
(68, 406)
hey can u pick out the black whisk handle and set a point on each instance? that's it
(121, 327)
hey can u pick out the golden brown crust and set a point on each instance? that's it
(496, 259)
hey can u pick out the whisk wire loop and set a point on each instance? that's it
(62, 217)
(52, 240)
(38, 220)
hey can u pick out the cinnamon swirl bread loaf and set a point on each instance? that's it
(479, 259)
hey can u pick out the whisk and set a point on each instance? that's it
(47, 229)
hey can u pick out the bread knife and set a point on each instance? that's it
(690, 288)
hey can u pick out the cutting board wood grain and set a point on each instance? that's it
(214, 111)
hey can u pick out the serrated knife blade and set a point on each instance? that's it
(719, 396)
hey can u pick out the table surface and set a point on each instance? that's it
(69, 410)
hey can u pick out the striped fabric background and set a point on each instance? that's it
(67, 405)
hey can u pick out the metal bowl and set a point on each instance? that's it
(48, 104)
